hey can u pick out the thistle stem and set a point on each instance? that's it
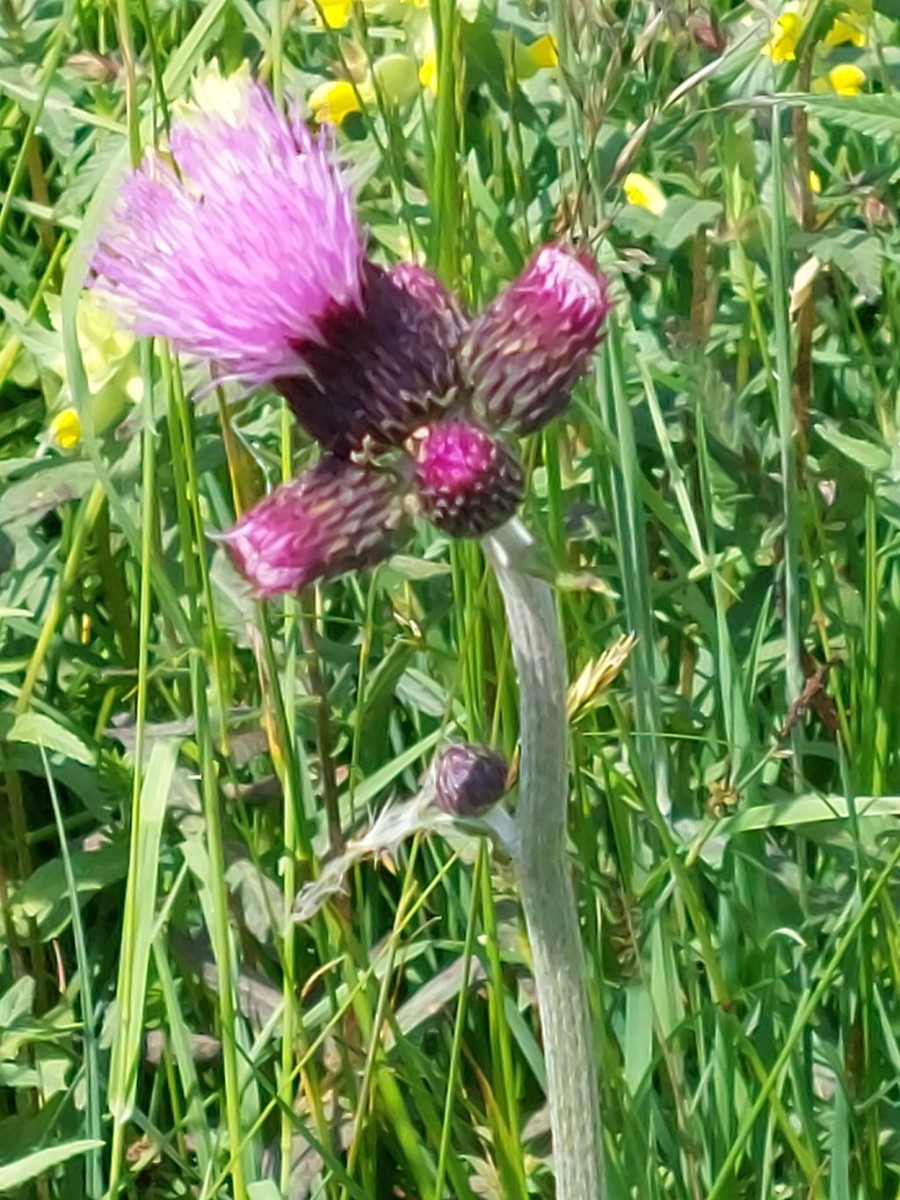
(545, 885)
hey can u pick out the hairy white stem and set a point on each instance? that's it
(545, 884)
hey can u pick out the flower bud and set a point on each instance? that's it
(468, 780)
(468, 482)
(523, 354)
(335, 517)
(397, 76)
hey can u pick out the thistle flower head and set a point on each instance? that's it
(335, 517)
(468, 780)
(237, 249)
(525, 351)
(379, 372)
(467, 481)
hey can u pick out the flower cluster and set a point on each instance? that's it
(847, 28)
(247, 253)
(396, 79)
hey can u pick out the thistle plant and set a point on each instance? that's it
(241, 246)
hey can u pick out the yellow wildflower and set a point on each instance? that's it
(428, 72)
(536, 56)
(847, 79)
(785, 34)
(65, 429)
(845, 29)
(643, 193)
(334, 14)
(334, 100)
(543, 52)
(815, 182)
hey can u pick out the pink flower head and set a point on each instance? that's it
(523, 354)
(242, 247)
(335, 517)
(468, 780)
(238, 250)
(378, 373)
(467, 481)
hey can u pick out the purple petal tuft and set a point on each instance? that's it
(336, 517)
(237, 254)
(468, 482)
(525, 351)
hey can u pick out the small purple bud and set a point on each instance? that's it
(468, 482)
(468, 780)
(335, 517)
(376, 374)
(524, 353)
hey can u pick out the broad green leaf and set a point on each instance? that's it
(683, 217)
(865, 454)
(858, 254)
(43, 899)
(264, 1190)
(35, 1165)
(16, 1002)
(877, 116)
(41, 730)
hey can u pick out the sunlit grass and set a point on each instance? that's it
(724, 487)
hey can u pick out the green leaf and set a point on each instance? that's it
(877, 117)
(40, 730)
(17, 1002)
(44, 897)
(33, 1166)
(138, 920)
(858, 254)
(264, 1190)
(865, 454)
(683, 217)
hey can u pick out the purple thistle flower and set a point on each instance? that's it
(242, 247)
(467, 481)
(468, 780)
(378, 373)
(238, 251)
(335, 517)
(523, 354)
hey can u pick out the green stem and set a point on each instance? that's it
(545, 884)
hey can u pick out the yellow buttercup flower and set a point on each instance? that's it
(538, 55)
(786, 33)
(815, 182)
(65, 429)
(847, 79)
(544, 52)
(334, 100)
(428, 72)
(335, 14)
(845, 31)
(643, 193)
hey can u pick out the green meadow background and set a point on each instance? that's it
(176, 762)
